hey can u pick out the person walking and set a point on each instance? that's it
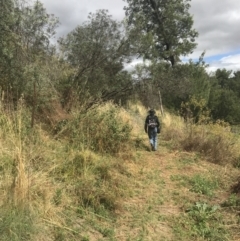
(152, 128)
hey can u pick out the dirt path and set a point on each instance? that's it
(160, 193)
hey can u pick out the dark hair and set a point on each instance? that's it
(151, 111)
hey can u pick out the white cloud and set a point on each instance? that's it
(74, 12)
(231, 59)
(218, 25)
(231, 62)
(217, 22)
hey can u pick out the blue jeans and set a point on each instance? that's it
(152, 134)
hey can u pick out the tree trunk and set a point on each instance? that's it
(160, 100)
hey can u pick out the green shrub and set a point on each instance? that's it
(203, 185)
(101, 130)
(205, 221)
(233, 201)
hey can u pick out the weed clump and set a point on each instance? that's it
(94, 182)
(205, 218)
(16, 224)
(202, 185)
(214, 141)
(101, 130)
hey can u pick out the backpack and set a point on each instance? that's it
(152, 121)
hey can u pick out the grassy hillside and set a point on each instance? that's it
(92, 177)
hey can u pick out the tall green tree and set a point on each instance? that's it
(224, 105)
(37, 28)
(223, 77)
(164, 27)
(224, 101)
(97, 50)
(9, 45)
(176, 85)
(25, 33)
(235, 83)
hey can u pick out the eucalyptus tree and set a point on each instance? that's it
(36, 29)
(164, 27)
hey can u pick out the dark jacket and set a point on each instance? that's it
(147, 127)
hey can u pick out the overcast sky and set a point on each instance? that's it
(217, 22)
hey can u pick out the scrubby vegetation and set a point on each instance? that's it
(74, 184)
(74, 159)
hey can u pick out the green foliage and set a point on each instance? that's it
(233, 201)
(224, 96)
(224, 105)
(202, 212)
(195, 110)
(206, 222)
(37, 28)
(99, 130)
(16, 224)
(234, 83)
(97, 50)
(176, 84)
(113, 133)
(198, 183)
(165, 28)
(9, 45)
(203, 185)
(26, 34)
(223, 76)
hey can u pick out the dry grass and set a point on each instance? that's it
(52, 189)
(174, 128)
(214, 141)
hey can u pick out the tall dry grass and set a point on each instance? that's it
(214, 141)
(41, 175)
(80, 170)
(27, 190)
(104, 130)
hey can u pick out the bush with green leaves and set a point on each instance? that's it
(195, 110)
(202, 185)
(100, 129)
(206, 223)
(232, 201)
